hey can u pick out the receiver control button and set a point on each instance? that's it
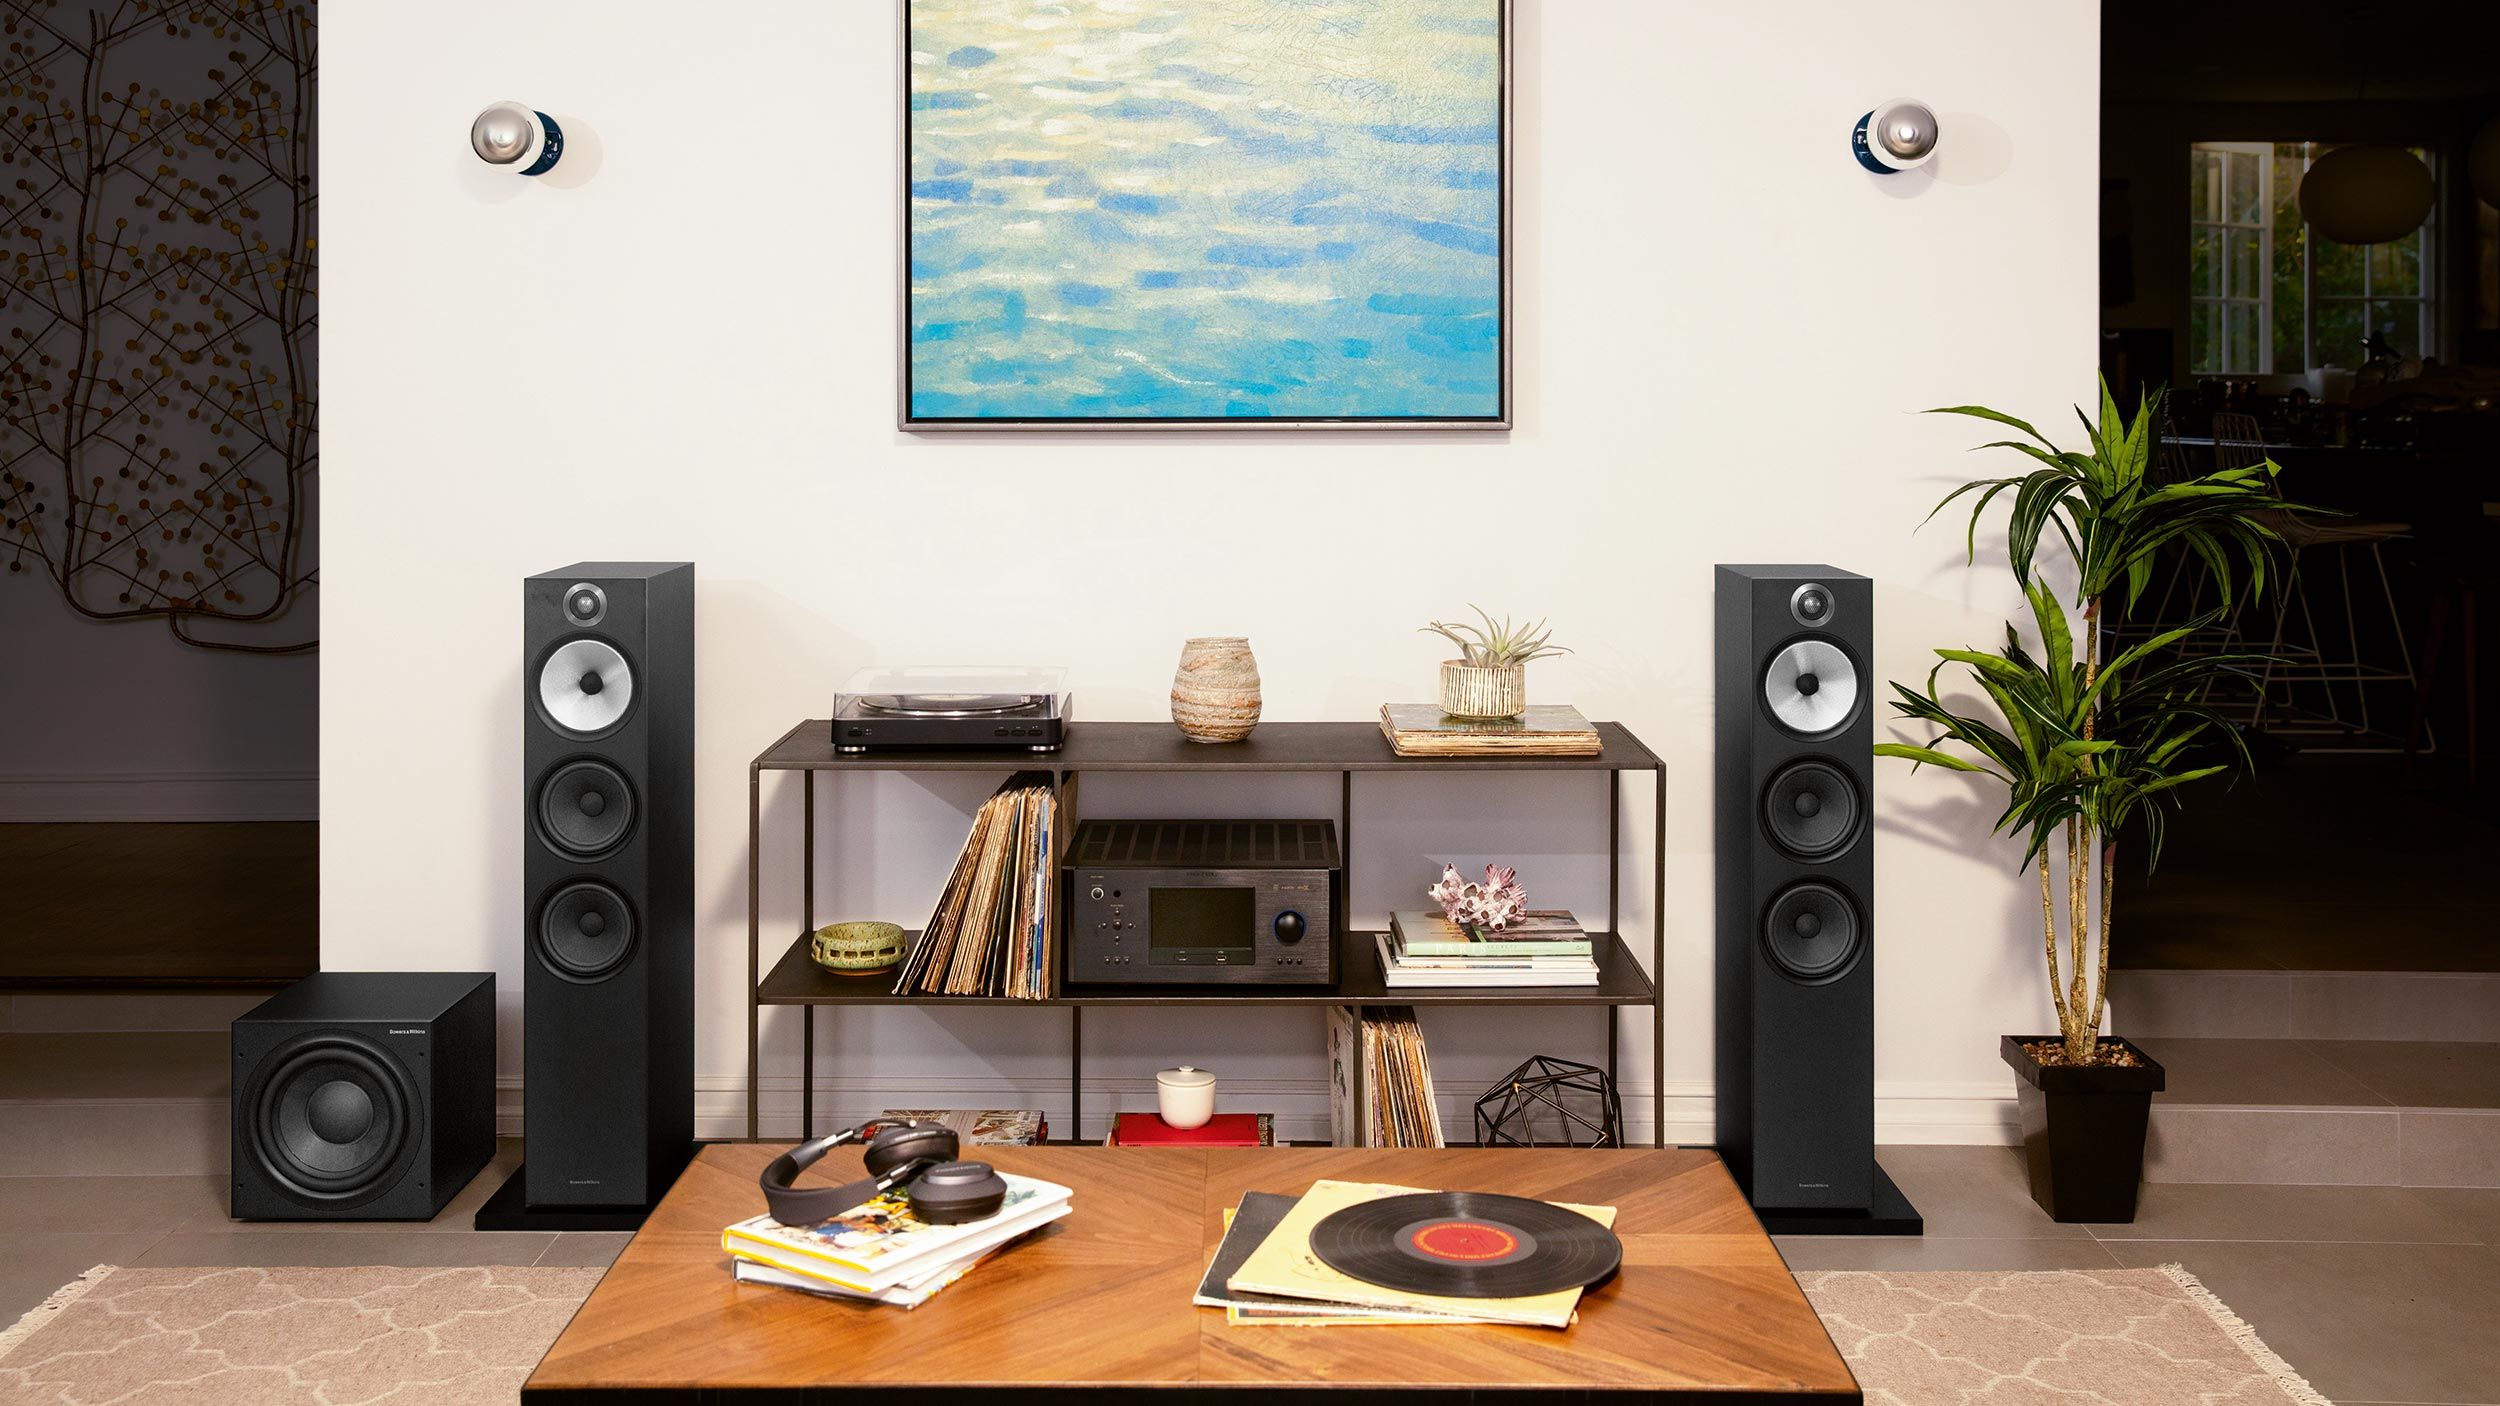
(1097, 892)
(1290, 926)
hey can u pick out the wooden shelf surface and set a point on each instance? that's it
(796, 980)
(1158, 746)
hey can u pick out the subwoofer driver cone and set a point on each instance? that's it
(585, 807)
(1812, 809)
(332, 1119)
(1812, 932)
(585, 931)
(1811, 688)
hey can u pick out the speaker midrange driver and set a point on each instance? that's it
(1812, 808)
(586, 686)
(585, 807)
(1811, 688)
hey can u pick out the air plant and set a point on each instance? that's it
(1487, 907)
(1496, 644)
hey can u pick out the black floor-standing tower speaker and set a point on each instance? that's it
(363, 1096)
(1796, 887)
(607, 894)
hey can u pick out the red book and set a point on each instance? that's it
(1223, 1130)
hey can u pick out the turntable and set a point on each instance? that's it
(961, 708)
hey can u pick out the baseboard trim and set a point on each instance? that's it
(64, 798)
(1908, 1111)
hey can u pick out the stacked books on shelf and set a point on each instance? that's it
(1265, 1272)
(1222, 1130)
(982, 1127)
(1545, 730)
(1379, 1080)
(879, 1252)
(991, 932)
(1540, 948)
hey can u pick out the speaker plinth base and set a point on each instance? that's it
(509, 1207)
(1892, 1214)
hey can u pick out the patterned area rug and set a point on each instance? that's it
(2077, 1337)
(452, 1337)
(289, 1337)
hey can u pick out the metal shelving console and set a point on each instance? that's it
(1345, 748)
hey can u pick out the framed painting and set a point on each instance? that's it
(1215, 213)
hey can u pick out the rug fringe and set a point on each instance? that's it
(2245, 1338)
(41, 1313)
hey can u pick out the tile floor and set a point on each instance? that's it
(2379, 1294)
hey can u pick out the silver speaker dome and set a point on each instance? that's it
(586, 686)
(1811, 688)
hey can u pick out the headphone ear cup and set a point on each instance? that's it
(897, 1147)
(955, 1192)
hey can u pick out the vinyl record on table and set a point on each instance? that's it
(1466, 1244)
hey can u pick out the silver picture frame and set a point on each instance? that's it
(906, 422)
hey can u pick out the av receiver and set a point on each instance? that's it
(1184, 902)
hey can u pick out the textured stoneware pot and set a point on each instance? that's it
(1471, 692)
(1215, 691)
(858, 948)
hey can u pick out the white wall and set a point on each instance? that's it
(1722, 327)
(124, 722)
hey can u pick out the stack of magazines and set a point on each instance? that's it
(879, 1252)
(1379, 1079)
(1265, 1272)
(991, 933)
(1540, 948)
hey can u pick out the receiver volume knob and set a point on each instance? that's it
(1290, 926)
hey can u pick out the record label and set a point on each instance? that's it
(1466, 1244)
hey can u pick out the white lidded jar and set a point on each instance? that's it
(1185, 1096)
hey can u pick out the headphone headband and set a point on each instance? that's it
(897, 1155)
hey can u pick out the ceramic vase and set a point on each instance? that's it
(1215, 691)
(1468, 691)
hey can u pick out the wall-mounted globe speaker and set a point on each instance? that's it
(517, 137)
(607, 903)
(1811, 687)
(1795, 1058)
(586, 686)
(363, 1096)
(1895, 137)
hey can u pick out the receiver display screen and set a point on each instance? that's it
(1199, 917)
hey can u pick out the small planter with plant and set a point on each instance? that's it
(1489, 679)
(2091, 751)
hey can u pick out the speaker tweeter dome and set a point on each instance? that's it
(585, 605)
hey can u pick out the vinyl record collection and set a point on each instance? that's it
(991, 932)
(1379, 1079)
(1357, 1252)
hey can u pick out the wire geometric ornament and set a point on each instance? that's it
(158, 380)
(1549, 1102)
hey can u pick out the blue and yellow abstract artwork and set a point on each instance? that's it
(1205, 211)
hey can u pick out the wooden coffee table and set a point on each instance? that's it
(1703, 1309)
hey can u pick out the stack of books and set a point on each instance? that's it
(1222, 1130)
(991, 933)
(1543, 948)
(1264, 1271)
(1379, 1079)
(982, 1127)
(879, 1252)
(1545, 730)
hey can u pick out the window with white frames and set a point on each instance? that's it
(2266, 295)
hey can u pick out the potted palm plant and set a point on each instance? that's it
(2091, 751)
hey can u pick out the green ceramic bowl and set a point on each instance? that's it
(858, 949)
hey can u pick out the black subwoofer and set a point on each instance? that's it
(1796, 970)
(607, 749)
(363, 1096)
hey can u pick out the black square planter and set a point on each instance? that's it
(2083, 1131)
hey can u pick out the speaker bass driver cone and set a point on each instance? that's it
(585, 686)
(585, 807)
(1812, 808)
(585, 931)
(332, 1117)
(1811, 932)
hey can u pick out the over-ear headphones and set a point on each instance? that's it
(918, 1157)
